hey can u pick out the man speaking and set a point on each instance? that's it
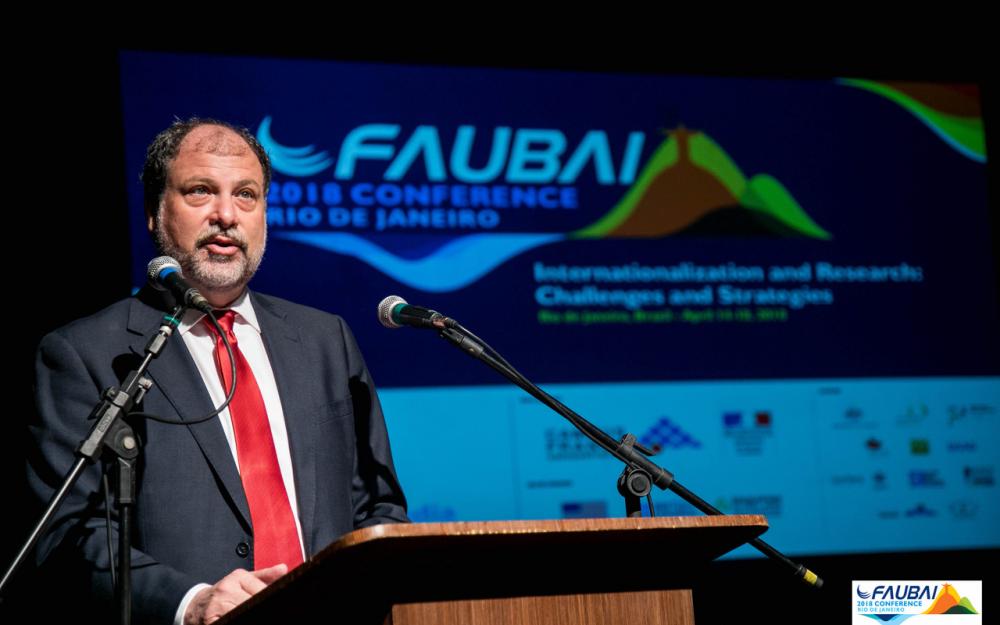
(227, 505)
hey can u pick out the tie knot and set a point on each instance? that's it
(226, 318)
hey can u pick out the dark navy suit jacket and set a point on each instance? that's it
(192, 523)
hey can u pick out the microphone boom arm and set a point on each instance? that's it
(469, 343)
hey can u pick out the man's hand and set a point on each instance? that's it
(211, 603)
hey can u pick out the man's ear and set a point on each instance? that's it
(150, 222)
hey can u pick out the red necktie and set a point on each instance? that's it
(275, 538)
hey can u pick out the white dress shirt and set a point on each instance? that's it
(200, 342)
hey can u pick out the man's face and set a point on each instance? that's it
(212, 217)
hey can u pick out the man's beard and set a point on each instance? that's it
(213, 271)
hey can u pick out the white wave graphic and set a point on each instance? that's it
(456, 264)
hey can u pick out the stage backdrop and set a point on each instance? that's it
(785, 286)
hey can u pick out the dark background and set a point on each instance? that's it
(67, 248)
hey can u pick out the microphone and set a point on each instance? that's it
(394, 312)
(164, 274)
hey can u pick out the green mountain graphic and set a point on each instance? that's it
(690, 180)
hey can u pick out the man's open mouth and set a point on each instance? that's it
(223, 246)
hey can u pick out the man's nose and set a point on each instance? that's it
(226, 213)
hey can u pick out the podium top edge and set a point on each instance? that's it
(553, 526)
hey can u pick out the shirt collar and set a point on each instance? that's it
(242, 306)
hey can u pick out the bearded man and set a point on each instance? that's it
(227, 505)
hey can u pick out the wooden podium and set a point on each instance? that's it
(578, 571)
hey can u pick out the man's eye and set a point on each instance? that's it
(247, 194)
(198, 190)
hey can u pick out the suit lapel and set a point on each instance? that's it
(176, 376)
(292, 377)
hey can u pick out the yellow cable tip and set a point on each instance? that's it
(812, 579)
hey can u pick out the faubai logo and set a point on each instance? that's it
(896, 601)
(475, 195)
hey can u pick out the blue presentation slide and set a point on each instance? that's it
(785, 287)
